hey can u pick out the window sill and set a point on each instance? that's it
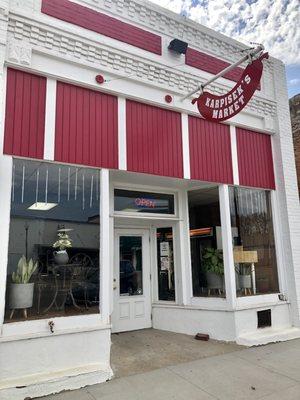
(197, 304)
(258, 301)
(62, 326)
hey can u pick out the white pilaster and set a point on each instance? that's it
(122, 133)
(5, 184)
(281, 270)
(105, 256)
(287, 195)
(184, 254)
(234, 155)
(229, 271)
(49, 143)
(185, 145)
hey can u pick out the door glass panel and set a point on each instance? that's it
(131, 266)
(165, 264)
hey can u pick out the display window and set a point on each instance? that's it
(206, 243)
(253, 241)
(53, 255)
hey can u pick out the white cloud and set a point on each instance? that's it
(274, 23)
(294, 82)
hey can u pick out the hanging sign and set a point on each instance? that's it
(220, 108)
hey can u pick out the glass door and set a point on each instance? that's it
(131, 282)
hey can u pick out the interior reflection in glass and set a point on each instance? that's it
(131, 268)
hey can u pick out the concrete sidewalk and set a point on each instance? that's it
(269, 372)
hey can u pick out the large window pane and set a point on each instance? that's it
(206, 243)
(254, 247)
(55, 223)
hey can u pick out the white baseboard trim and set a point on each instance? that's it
(45, 384)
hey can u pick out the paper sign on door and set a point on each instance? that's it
(164, 249)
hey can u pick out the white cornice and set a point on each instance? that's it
(49, 39)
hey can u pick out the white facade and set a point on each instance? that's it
(34, 361)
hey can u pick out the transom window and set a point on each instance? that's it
(143, 202)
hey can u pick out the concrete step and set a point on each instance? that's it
(268, 335)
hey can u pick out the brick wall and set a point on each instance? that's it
(295, 120)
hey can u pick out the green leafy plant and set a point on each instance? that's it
(24, 270)
(63, 241)
(213, 260)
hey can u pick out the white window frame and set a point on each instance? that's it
(36, 328)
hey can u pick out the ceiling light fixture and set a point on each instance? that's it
(42, 206)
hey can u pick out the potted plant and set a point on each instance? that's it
(61, 256)
(214, 268)
(244, 271)
(21, 290)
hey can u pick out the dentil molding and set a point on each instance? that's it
(25, 36)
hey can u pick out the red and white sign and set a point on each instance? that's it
(220, 108)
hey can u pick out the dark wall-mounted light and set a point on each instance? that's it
(178, 46)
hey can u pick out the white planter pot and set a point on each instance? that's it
(61, 257)
(214, 281)
(21, 295)
(245, 281)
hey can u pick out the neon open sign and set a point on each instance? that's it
(144, 203)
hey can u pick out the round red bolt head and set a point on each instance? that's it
(168, 98)
(99, 79)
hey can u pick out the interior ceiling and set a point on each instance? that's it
(125, 177)
(203, 196)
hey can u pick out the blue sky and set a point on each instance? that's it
(274, 23)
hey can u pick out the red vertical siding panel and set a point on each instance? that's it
(86, 130)
(25, 122)
(41, 115)
(72, 134)
(92, 121)
(20, 107)
(24, 114)
(255, 159)
(210, 151)
(154, 142)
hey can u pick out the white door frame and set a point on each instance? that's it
(132, 312)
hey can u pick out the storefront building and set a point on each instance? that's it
(136, 212)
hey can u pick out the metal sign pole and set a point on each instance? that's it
(251, 54)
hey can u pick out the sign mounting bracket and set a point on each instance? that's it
(252, 53)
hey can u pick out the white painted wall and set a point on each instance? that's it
(218, 324)
(286, 197)
(54, 362)
(228, 325)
